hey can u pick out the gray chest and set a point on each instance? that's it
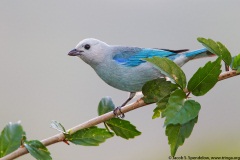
(126, 78)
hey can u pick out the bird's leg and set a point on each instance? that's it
(132, 94)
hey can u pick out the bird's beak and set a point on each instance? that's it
(74, 52)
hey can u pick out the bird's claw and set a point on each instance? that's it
(115, 112)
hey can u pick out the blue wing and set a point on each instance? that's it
(133, 56)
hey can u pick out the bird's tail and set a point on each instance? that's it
(182, 58)
(200, 53)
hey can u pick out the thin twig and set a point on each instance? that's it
(95, 121)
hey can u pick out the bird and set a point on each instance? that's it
(124, 67)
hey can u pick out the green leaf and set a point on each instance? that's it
(217, 48)
(123, 128)
(236, 63)
(91, 136)
(37, 150)
(157, 89)
(161, 105)
(58, 126)
(238, 70)
(105, 105)
(170, 69)
(178, 133)
(179, 110)
(177, 98)
(187, 112)
(205, 78)
(211, 45)
(226, 55)
(10, 138)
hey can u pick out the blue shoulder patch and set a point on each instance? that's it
(133, 56)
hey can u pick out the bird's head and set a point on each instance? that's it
(90, 50)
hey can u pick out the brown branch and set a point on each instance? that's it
(228, 74)
(60, 137)
(95, 121)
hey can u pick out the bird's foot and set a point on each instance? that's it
(116, 110)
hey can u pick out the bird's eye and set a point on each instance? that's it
(87, 46)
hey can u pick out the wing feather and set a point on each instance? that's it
(131, 56)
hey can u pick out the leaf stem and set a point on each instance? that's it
(226, 67)
(188, 93)
(106, 126)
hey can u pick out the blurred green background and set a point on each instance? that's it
(40, 83)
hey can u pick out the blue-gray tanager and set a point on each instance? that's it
(123, 67)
